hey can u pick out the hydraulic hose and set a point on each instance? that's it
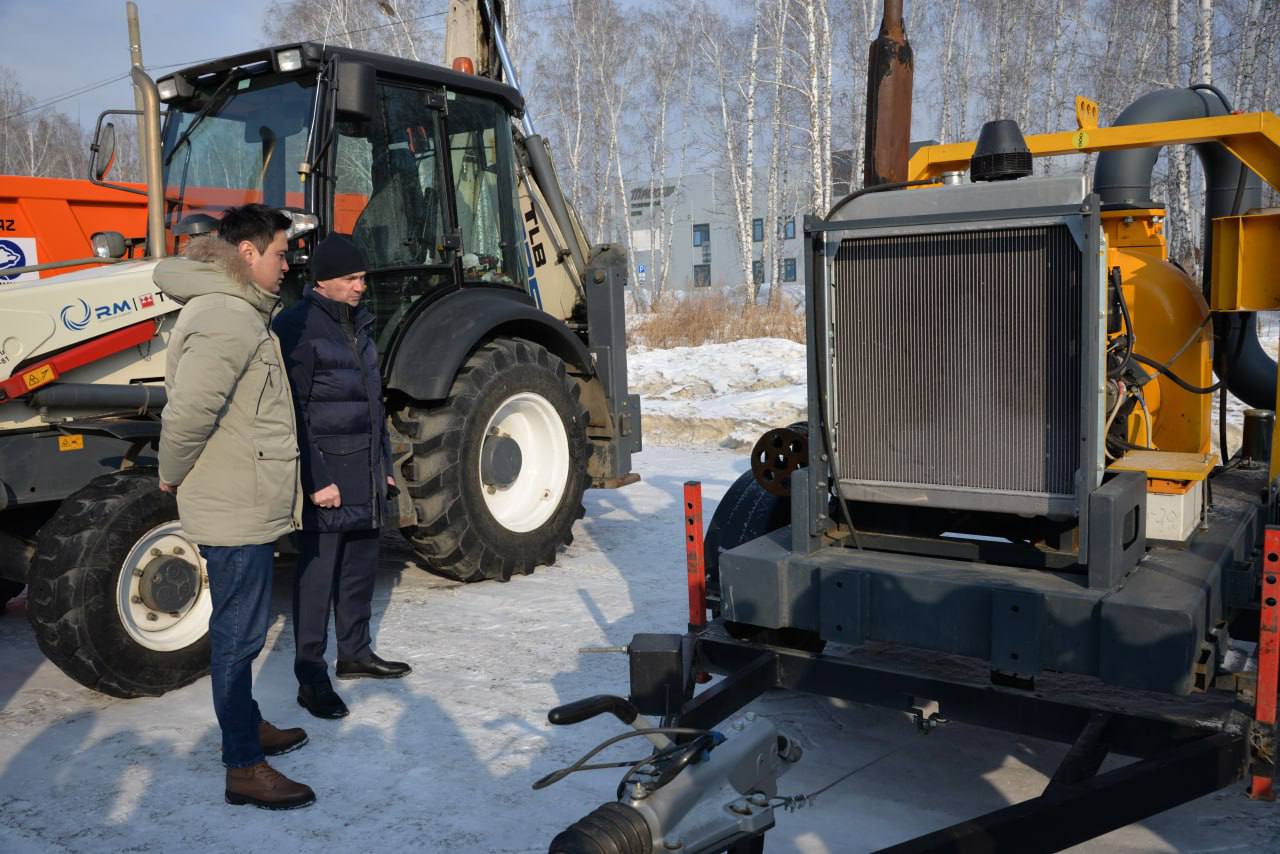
(144, 398)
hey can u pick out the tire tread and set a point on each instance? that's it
(445, 536)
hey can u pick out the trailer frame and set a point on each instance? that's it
(1185, 747)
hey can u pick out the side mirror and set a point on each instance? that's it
(357, 95)
(103, 149)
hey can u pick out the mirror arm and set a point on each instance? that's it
(93, 155)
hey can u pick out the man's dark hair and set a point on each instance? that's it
(257, 224)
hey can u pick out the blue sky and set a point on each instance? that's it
(56, 46)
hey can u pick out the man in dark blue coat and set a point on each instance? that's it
(346, 473)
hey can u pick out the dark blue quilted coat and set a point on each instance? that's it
(337, 388)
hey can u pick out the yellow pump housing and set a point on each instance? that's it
(1169, 319)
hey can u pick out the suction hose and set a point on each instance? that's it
(1123, 180)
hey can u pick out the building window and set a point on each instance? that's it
(702, 234)
(757, 230)
(757, 271)
(788, 269)
(786, 228)
(702, 275)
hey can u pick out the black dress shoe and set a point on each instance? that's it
(321, 701)
(372, 667)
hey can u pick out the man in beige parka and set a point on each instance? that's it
(229, 448)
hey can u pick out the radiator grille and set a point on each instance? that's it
(957, 360)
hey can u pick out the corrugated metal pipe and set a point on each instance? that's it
(1123, 179)
(144, 398)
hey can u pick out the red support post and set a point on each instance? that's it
(1262, 786)
(693, 555)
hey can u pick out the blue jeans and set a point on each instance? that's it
(240, 587)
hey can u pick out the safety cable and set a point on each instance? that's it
(684, 753)
(878, 188)
(791, 803)
(580, 764)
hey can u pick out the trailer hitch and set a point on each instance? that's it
(699, 791)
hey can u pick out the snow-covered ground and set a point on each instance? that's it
(719, 394)
(443, 760)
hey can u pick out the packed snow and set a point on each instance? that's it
(443, 760)
(719, 394)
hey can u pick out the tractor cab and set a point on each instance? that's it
(414, 161)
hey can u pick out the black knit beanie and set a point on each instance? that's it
(336, 256)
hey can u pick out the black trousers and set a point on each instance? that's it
(336, 571)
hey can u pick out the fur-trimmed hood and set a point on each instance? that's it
(211, 266)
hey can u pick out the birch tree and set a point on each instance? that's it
(671, 88)
(818, 38)
(1179, 192)
(778, 149)
(1202, 60)
(36, 141)
(396, 27)
(610, 50)
(1252, 36)
(735, 88)
(947, 86)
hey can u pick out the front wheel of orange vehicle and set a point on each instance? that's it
(118, 596)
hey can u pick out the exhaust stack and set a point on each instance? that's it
(890, 68)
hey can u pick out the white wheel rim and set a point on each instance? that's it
(531, 499)
(157, 630)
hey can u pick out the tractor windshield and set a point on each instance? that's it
(236, 142)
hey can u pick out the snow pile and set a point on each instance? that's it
(726, 395)
(718, 394)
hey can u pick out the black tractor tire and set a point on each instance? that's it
(745, 513)
(456, 534)
(72, 603)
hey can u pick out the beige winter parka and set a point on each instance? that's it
(227, 435)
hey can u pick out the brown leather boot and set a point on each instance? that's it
(276, 741)
(265, 787)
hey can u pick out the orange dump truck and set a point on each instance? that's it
(52, 219)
